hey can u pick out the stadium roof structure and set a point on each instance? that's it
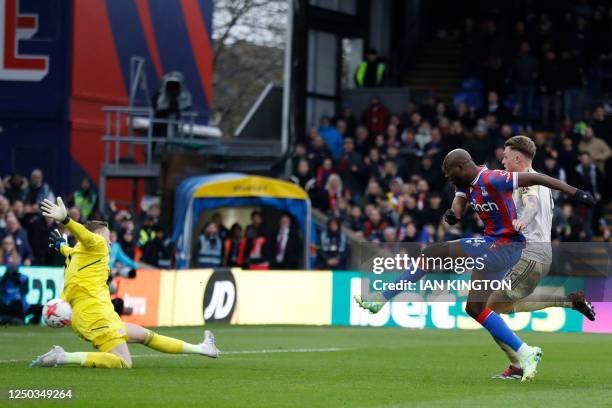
(198, 194)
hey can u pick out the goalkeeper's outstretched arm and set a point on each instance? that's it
(58, 213)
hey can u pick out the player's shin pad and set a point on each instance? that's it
(163, 343)
(104, 360)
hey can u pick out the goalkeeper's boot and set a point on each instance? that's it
(49, 359)
(529, 361)
(581, 304)
(373, 307)
(209, 347)
(511, 373)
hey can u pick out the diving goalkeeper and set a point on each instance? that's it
(93, 316)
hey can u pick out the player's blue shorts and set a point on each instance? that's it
(498, 258)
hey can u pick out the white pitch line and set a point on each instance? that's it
(222, 353)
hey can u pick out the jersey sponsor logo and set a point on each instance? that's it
(14, 28)
(220, 297)
(484, 207)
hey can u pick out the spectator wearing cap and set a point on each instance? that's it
(38, 190)
(371, 72)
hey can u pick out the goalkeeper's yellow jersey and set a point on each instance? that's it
(86, 271)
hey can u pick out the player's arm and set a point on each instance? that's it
(532, 179)
(58, 213)
(531, 204)
(454, 214)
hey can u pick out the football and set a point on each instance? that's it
(57, 313)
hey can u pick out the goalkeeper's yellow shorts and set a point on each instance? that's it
(96, 321)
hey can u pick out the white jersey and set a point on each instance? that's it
(537, 232)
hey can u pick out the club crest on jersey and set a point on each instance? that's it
(14, 28)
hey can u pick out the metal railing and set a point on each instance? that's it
(142, 130)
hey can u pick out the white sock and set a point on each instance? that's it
(73, 358)
(525, 348)
(189, 348)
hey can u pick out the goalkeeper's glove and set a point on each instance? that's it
(584, 197)
(56, 211)
(450, 217)
(56, 240)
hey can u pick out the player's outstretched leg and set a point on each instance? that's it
(452, 249)
(58, 356)
(576, 301)
(165, 344)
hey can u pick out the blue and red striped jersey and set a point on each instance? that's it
(490, 195)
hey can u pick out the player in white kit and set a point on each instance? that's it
(535, 212)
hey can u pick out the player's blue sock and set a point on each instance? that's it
(499, 329)
(407, 275)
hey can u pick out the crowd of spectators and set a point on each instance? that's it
(544, 66)
(380, 174)
(24, 231)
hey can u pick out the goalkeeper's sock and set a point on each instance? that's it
(94, 360)
(538, 302)
(499, 329)
(170, 345)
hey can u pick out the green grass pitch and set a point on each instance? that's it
(273, 366)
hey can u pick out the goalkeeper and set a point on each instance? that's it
(93, 317)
